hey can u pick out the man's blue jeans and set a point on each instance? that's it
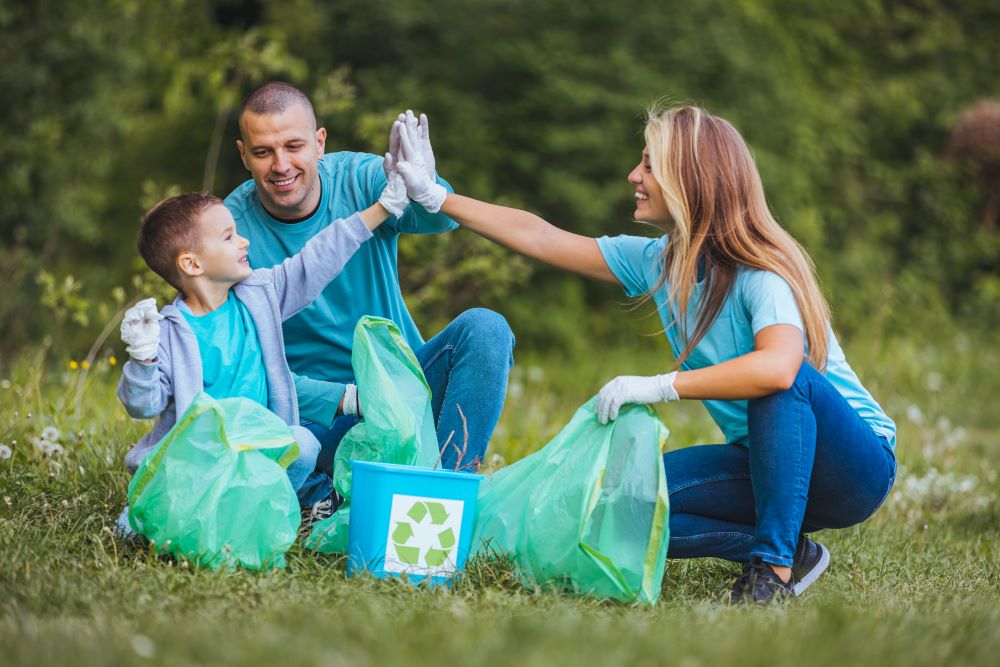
(810, 463)
(466, 365)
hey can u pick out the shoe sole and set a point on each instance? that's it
(813, 574)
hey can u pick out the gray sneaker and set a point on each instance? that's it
(811, 560)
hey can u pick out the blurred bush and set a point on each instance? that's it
(848, 107)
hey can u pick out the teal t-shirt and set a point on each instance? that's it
(757, 300)
(232, 363)
(318, 340)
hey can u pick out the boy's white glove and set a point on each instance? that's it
(141, 330)
(394, 198)
(421, 185)
(351, 405)
(634, 389)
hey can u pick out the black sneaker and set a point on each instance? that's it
(811, 560)
(759, 585)
(321, 509)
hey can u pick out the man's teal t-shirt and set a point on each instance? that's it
(232, 363)
(318, 340)
(758, 299)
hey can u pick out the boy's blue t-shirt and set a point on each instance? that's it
(232, 363)
(757, 300)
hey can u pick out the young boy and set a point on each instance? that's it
(222, 334)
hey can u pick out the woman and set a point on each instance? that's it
(807, 447)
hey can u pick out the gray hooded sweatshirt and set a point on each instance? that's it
(166, 388)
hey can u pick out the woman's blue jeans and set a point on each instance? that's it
(810, 462)
(466, 365)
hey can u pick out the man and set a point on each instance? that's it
(296, 191)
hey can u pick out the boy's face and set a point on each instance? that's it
(222, 253)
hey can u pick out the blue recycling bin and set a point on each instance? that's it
(410, 520)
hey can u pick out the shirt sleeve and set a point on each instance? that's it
(769, 300)
(318, 399)
(630, 258)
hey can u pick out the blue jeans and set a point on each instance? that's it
(810, 463)
(466, 365)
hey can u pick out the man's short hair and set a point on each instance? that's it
(274, 97)
(170, 228)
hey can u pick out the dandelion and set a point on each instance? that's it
(41, 444)
(914, 414)
(5, 452)
(112, 360)
(85, 364)
(54, 449)
(73, 365)
(51, 433)
(4, 384)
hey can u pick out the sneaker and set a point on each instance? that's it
(760, 585)
(321, 509)
(811, 560)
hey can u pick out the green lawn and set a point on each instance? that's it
(919, 584)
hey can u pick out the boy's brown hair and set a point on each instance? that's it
(170, 228)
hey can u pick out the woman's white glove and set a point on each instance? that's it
(394, 198)
(141, 330)
(421, 185)
(634, 389)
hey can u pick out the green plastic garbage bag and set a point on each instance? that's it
(398, 425)
(215, 490)
(586, 513)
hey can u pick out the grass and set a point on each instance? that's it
(916, 585)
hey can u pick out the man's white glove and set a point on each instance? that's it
(351, 405)
(141, 330)
(421, 185)
(634, 389)
(394, 198)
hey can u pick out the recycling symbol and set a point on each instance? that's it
(423, 528)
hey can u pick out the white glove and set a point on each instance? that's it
(634, 389)
(420, 135)
(141, 330)
(420, 185)
(351, 405)
(393, 198)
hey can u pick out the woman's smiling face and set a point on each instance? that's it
(650, 205)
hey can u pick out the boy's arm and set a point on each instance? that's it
(144, 389)
(319, 400)
(301, 278)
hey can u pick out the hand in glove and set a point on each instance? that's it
(141, 330)
(351, 403)
(634, 389)
(393, 198)
(420, 184)
(420, 135)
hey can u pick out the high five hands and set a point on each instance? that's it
(409, 165)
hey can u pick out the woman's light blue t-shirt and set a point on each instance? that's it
(757, 300)
(230, 351)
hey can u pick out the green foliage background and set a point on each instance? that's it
(110, 104)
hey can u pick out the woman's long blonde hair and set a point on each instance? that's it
(720, 217)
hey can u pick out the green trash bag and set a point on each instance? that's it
(215, 490)
(588, 512)
(398, 425)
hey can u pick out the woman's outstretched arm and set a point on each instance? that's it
(529, 235)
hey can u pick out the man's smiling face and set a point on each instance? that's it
(282, 151)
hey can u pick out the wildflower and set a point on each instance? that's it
(54, 449)
(51, 433)
(85, 364)
(4, 384)
(112, 360)
(5, 452)
(73, 365)
(41, 444)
